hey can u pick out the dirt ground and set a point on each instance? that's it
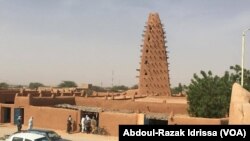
(7, 129)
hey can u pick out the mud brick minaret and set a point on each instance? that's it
(153, 72)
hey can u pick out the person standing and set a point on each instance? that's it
(87, 124)
(19, 123)
(69, 122)
(30, 126)
(82, 123)
(93, 125)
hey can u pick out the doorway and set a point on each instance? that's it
(153, 121)
(18, 112)
(6, 114)
(91, 115)
(157, 122)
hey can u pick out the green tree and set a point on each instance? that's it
(236, 76)
(119, 88)
(4, 85)
(35, 85)
(134, 86)
(179, 89)
(67, 84)
(209, 96)
(98, 89)
(19, 86)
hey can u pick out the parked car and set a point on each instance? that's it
(51, 135)
(26, 137)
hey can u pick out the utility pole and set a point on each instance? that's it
(242, 56)
(112, 78)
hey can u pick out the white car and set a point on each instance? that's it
(27, 137)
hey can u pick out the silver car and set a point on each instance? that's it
(22, 136)
(51, 135)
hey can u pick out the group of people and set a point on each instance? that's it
(88, 125)
(20, 122)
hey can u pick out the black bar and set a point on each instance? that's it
(196, 132)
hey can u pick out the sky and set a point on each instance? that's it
(98, 41)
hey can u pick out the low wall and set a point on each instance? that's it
(132, 106)
(56, 118)
(48, 101)
(239, 112)
(52, 118)
(186, 120)
(110, 121)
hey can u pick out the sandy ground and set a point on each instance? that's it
(7, 129)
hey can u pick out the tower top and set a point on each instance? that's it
(153, 18)
(153, 14)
